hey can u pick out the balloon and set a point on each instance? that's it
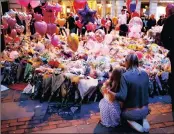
(61, 22)
(38, 17)
(135, 14)
(55, 40)
(58, 8)
(51, 28)
(133, 2)
(34, 3)
(136, 21)
(79, 4)
(132, 7)
(23, 2)
(90, 27)
(11, 22)
(11, 13)
(41, 27)
(13, 33)
(5, 26)
(5, 18)
(79, 24)
(114, 20)
(53, 19)
(87, 15)
(103, 22)
(73, 41)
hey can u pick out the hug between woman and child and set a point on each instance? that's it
(126, 97)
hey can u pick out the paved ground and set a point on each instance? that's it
(20, 114)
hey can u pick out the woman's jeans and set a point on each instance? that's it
(135, 115)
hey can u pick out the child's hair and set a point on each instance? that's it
(115, 78)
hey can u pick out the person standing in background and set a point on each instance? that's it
(151, 22)
(122, 18)
(71, 23)
(160, 21)
(167, 38)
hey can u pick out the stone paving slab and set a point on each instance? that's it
(29, 108)
(71, 129)
(159, 118)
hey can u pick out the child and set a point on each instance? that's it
(110, 108)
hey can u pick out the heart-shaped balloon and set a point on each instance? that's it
(12, 13)
(41, 27)
(23, 2)
(55, 40)
(51, 28)
(103, 22)
(5, 26)
(61, 22)
(5, 18)
(73, 41)
(11, 22)
(34, 3)
(13, 33)
(79, 4)
(79, 24)
(38, 17)
(90, 27)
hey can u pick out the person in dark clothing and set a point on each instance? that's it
(2, 41)
(123, 30)
(151, 22)
(167, 38)
(110, 28)
(134, 94)
(160, 21)
(71, 23)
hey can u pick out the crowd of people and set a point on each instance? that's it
(123, 97)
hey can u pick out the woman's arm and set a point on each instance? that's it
(122, 94)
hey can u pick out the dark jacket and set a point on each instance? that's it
(167, 34)
(151, 23)
(134, 86)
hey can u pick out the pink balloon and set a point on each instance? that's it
(51, 28)
(23, 2)
(79, 24)
(90, 27)
(11, 22)
(13, 33)
(38, 17)
(53, 19)
(58, 8)
(55, 40)
(41, 27)
(5, 26)
(34, 3)
(46, 19)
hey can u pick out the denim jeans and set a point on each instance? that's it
(135, 115)
(73, 30)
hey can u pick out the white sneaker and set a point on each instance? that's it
(146, 125)
(136, 126)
